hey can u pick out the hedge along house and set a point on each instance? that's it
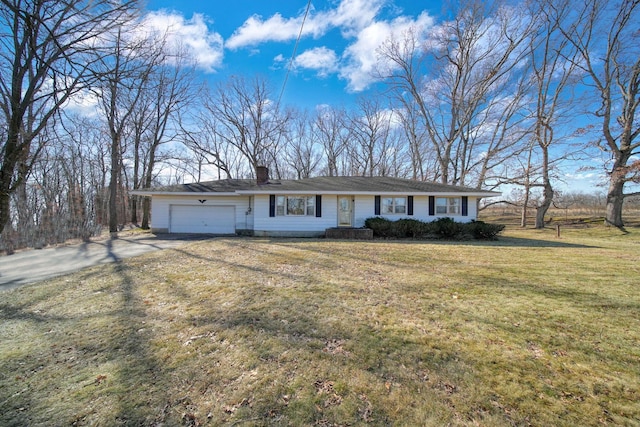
(304, 207)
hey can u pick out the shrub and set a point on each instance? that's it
(483, 231)
(409, 228)
(442, 228)
(446, 228)
(381, 226)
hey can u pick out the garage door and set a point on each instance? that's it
(202, 219)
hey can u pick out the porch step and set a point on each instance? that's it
(349, 233)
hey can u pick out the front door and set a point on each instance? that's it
(345, 211)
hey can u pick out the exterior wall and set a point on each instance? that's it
(303, 226)
(160, 210)
(256, 220)
(364, 207)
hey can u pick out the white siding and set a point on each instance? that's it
(365, 208)
(294, 225)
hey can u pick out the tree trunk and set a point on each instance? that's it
(146, 202)
(146, 211)
(525, 208)
(547, 192)
(113, 185)
(615, 202)
(11, 155)
(134, 209)
(5, 199)
(541, 210)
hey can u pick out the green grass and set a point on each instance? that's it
(528, 330)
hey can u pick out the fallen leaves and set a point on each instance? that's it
(325, 388)
(335, 346)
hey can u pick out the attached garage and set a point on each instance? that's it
(202, 219)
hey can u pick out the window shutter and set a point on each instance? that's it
(465, 206)
(377, 206)
(318, 205)
(272, 205)
(432, 205)
(410, 205)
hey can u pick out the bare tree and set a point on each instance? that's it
(200, 133)
(608, 42)
(422, 162)
(125, 74)
(46, 56)
(246, 118)
(468, 64)
(58, 199)
(301, 151)
(553, 63)
(167, 89)
(329, 130)
(369, 127)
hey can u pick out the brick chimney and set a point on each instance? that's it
(262, 175)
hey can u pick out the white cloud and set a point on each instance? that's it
(255, 30)
(84, 103)
(354, 15)
(350, 16)
(362, 57)
(187, 36)
(322, 59)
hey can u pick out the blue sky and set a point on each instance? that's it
(248, 37)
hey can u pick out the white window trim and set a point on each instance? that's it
(394, 205)
(451, 208)
(282, 203)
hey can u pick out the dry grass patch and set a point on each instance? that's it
(528, 330)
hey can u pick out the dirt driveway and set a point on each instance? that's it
(39, 264)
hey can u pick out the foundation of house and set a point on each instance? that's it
(349, 233)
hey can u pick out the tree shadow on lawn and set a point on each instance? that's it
(500, 242)
(138, 399)
(89, 365)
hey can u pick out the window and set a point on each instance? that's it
(447, 205)
(394, 205)
(295, 205)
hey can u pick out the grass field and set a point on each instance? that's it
(527, 330)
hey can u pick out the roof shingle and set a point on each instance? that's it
(342, 184)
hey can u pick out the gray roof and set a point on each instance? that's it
(328, 184)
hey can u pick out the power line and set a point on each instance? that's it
(293, 55)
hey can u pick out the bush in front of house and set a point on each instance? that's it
(446, 228)
(482, 231)
(410, 228)
(381, 226)
(442, 228)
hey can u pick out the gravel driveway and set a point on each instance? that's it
(39, 264)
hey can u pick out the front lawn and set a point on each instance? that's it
(526, 330)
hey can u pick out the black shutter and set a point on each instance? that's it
(318, 206)
(410, 205)
(376, 206)
(465, 206)
(272, 205)
(432, 205)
